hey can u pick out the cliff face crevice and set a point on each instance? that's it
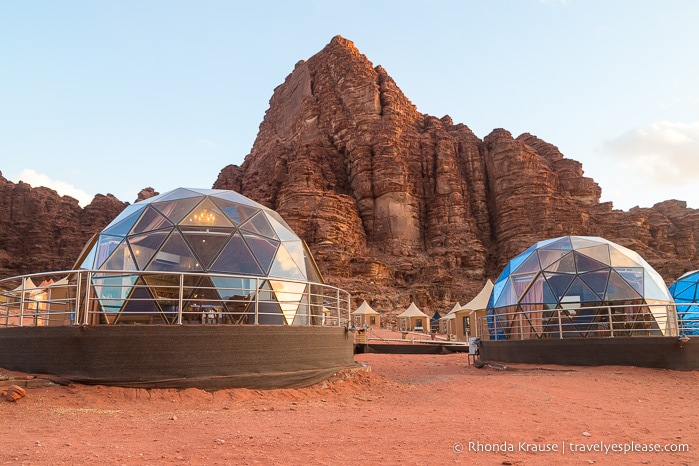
(396, 205)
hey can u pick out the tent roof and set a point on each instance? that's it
(451, 314)
(480, 302)
(364, 309)
(412, 311)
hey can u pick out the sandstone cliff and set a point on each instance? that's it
(396, 205)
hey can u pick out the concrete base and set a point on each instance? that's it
(659, 352)
(178, 356)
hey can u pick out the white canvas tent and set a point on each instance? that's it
(413, 319)
(365, 315)
(466, 318)
(446, 323)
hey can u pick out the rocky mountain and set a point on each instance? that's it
(396, 205)
(400, 206)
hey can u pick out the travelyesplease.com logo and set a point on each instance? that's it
(564, 447)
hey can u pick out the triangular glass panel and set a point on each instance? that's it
(177, 194)
(559, 283)
(505, 274)
(597, 281)
(539, 293)
(302, 315)
(621, 258)
(89, 262)
(580, 242)
(284, 266)
(121, 259)
(565, 265)
(207, 244)
(313, 273)
(599, 253)
(654, 289)
(236, 258)
(531, 264)
(521, 282)
(269, 313)
(236, 212)
(139, 308)
(146, 245)
(497, 290)
(259, 225)
(175, 255)
(560, 243)
(681, 287)
(619, 289)
(289, 295)
(283, 233)
(634, 277)
(578, 291)
(297, 252)
(176, 210)
(238, 198)
(122, 228)
(507, 295)
(206, 214)
(263, 249)
(586, 264)
(127, 212)
(546, 258)
(279, 219)
(517, 261)
(151, 220)
(105, 247)
(112, 290)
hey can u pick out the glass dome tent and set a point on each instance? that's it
(237, 254)
(576, 287)
(685, 291)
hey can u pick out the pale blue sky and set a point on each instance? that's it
(114, 96)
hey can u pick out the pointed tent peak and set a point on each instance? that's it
(456, 307)
(481, 299)
(364, 308)
(412, 311)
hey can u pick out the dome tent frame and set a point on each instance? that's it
(578, 287)
(685, 291)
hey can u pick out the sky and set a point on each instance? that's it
(112, 97)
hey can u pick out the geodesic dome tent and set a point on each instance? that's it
(685, 291)
(234, 250)
(577, 286)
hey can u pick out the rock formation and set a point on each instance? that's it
(41, 231)
(397, 206)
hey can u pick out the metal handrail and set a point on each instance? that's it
(605, 321)
(96, 297)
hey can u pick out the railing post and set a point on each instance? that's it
(180, 300)
(257, 300)
(21, 303)
(87, 298)
(611, 325)
(308, 302)
(76, 307)
(560, 325)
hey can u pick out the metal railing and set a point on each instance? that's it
(94, 297)
(606, 321)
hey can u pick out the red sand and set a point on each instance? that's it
(409, 409)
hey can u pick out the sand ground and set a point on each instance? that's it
(408, 409)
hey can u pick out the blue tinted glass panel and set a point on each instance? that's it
(539, 293)
(581, 292)
(597, 281)
(562, 243)
(531, 264)
(122, 228)
(104, 248)
(587, 264)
